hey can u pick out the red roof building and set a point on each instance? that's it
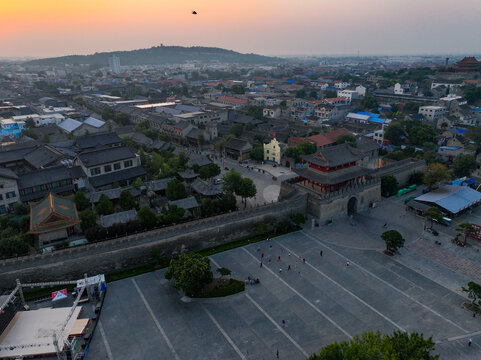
(321, 140)
(468, 64)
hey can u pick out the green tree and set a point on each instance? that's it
(346, 138)
(330, 94)
(208, 208)
(464, 165)
(175, 190)
(209, 171)
(301, 94)
(313, 94)
(257, 152)
(12, 246)
(394, 241)
(472, 93)
(474, 292)
(261, 228)
(224, 271)
(369, 346)
(466, 229)
(369, 102)
(172, 214)
(434, 174)
(190, 272)
(138, 183)
(394, 133)
(127, 201)
(237, 130)
(474, 134)
(298, 219)
(433, 214)
(87, 219)
(238, 89)
(29, 123)
(256, 112)
(104, 206)
(227, 202)
(416, 177)
(247, 189)
(81, 201)
(389, 185)
(232, 180)
(147, 217)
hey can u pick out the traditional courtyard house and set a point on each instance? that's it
(237, 149)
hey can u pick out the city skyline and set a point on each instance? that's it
(55, 28)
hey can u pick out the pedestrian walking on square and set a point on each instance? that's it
(304, 260)
(470, 342)
(283, 323)
(280, 270)
(278, 258)
(277, 353)
(289, 254)
(260, 264)
(262, 256)
(320, 253)
(348, 263)
(269, 261)
(289, 267)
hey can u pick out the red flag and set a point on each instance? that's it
(59, 295)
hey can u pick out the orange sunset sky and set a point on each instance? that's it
(282, 27)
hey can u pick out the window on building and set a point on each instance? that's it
(128, 163)
(117, 166)
(107, 168)
(1, 197)
(95, 171)
(10, 195)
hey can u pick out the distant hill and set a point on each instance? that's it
(159, 55)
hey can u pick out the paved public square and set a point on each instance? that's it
(321, 301)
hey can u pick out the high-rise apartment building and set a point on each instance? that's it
(114, 64)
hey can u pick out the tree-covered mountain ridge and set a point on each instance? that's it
(159, 55)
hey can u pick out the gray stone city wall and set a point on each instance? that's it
(136, 249)
(401, 170)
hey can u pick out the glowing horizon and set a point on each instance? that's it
(283, 27)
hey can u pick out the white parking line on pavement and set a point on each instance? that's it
(348, 291)
(106, 343)
(316, 239)
(303, 298)
(227, 337)
(149, 309)
(277, 326)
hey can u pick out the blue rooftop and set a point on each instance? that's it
(377, 120)
(373, 115)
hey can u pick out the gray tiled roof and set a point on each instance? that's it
(103, 156)
(7, 173)
(238, 144)
(333, 156)
(158, 185)
(332, 177)
(118, 218)
(186, 204)
(45, 176)
(92, 141)
(116, 176)
(205, 189)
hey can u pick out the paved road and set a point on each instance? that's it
(322, 300)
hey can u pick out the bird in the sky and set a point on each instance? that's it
(194, 12)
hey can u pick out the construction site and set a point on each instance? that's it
(57, 324)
